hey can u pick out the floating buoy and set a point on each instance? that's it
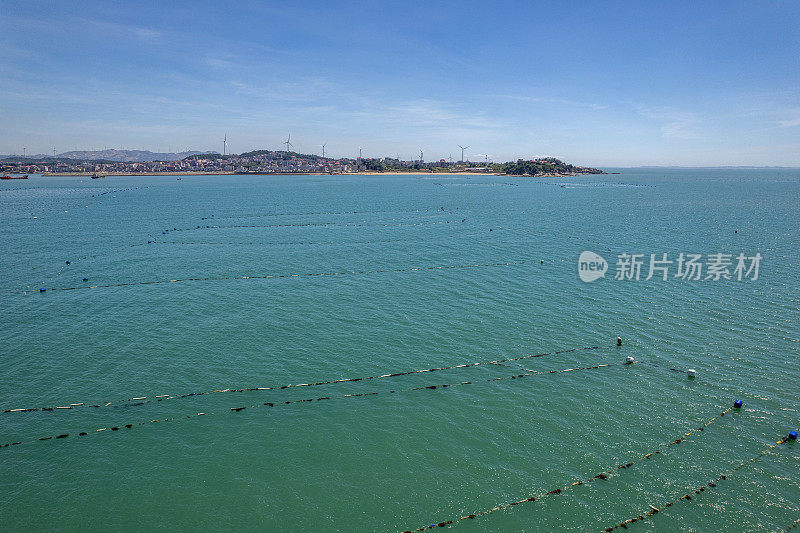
(42, 290)
(629, 360)
(692, 372)
(737, 404)
(619, 341)
(85, 279)
(793, 435)
(68, 262)
(35, 218)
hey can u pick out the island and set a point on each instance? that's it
(119, 163)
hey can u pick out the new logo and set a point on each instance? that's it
(591, 266)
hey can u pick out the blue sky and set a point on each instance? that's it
(595, 83)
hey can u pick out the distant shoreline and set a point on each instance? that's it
(363, 173)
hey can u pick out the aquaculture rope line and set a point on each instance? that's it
(688, 496)
(314, 225)
(161, 397)
(112, 191)
(602, 475)
(290, 402)
(277, 276)
(71, 263)
(317, 242)
(152, 242)
(313, 213)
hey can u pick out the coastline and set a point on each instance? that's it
(89, 174)
(363, 173)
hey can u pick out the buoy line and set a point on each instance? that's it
(710, 485)
(713, 384)
(23, 189)
(161, 397)
(314, 225)
(313, 213)
(166, 231)
(151, 242)
(252, 243)
(71, 262)
(52, 278)
(609, 472)
(316, 213)
(112, 191)
(290, 402)
(335, 243)
(277, 276)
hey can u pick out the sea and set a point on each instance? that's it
(347, 315)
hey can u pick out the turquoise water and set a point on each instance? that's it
(402, 460)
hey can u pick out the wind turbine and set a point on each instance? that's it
(462, 151)
(288, 142)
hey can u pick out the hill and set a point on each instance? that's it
(127, 156)
(544, 167)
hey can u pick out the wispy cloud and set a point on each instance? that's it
(792, 119)
(429, 113)
(11, 51)
(674, 122)
(141, 33)
(552, 100)
(305, 90)
(218, 63)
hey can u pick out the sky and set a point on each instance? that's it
(688, 83)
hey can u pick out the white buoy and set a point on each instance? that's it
(619, 341)
(692, 372)
(629, 359)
